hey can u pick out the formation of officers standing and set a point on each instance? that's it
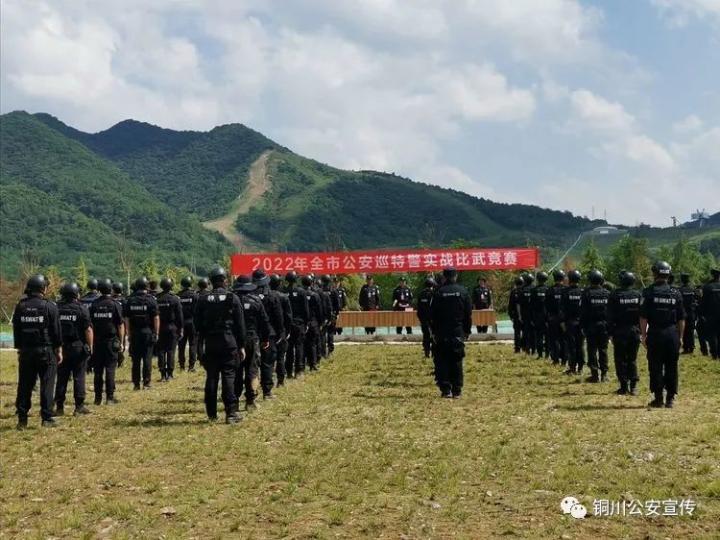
(556, 321)
(248, 337)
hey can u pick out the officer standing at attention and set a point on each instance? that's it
(272, 303)
(117, 294)
(424, 314)
(323, 292)
(482, 299)
(327, 285)
(257, 337)
(526, 314)
(369, 299)
(624, 324)
(108, 341)
(402, 298)
(314, 322)
(538, 298)
(282, 342)
(295, 361)
(571, 309)
(451, 317)
(555, 343)
(710, 308)
(662, 320)
(143, 325)
(514, 313)
(700, 325)
(188, 299)
(171, 327)
(77, 340)
(92, 293)
(690, 304)
(203, 286)
(221, 334)
(38, 340)
(153, 288)
(594, 321)
(342, 299)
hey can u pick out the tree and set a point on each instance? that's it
(591, 259)
(80, 273)
(631, 254)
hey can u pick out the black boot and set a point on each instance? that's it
(669, 401)
(633, 388)
(657, 402)
(593, 378)
(623, 390)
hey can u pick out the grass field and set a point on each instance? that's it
(365, 449)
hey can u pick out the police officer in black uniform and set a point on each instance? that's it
(38, 340)
(203, 285)
(553, 299)
(482, 299)
(188, 299)
(221, 334)
(283, 339)
(710, 308)
(624, 324)
(315, 320)
(77, 341)
(334, 307)
(143, 325)
(700, 324)
(153, 288)
(172, 323)
(451, 319)
(402, 298)
(118, 293)
(323, 292)
(108, 341)
(571, 309)
(342, 299)
(662, 319)
(295, 361)
(594, 321)
(272, 302)
(538, 298)
(514, 313)
(526, 314)
(257, 339)
(690, 304)
(92, 293)
(370, 299)
(424, 314)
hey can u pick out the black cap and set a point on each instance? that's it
(449, 272)
(260, 278)
(244, 284)
(104, 286)
(166, 284)
(70, 290)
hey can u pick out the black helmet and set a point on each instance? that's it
(260, 278)
(519, 282)
(92, 284)
(117, 287)
(715, 272)
(685, 278)
(661, 268)
(291, 276)
(141, 284)
(217, 274)
(203, 283)
(430, 282)
(595, 277)
(528, 279)
(166, 284)
(244, 283)
(70, 290)
(558, 275)
(325, 278)
(186, 282)
(36, 283)
(306, 281)
(104, 286)
(574, 276)
(627, 279)
(152, 284)
(449, 272)
(542, 277)
(275, 282)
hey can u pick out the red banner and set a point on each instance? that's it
(377, 262)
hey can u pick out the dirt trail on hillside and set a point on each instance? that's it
(257, 185)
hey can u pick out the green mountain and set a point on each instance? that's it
(62, 202)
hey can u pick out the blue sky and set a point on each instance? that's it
(562, 103)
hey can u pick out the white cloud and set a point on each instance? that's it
(688, 124)
(680, 12)
(595, 112)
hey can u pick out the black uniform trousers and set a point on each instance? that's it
(449, 354)
(702, 336)
(712, 334)
(220, 365)
(663, 352)
(141, 352)
(189, 340)
(528, 335)
(626, 342)
(426, 338)
(267, 366)
(554, 343)
(311, 345)
(281, 355)
(295, 360)
(574, 351)
(541, 331)
(330, 330)
(247, 375)
(517, 335)
(34, 362)
(167, 343)
(399, 329)
(104, 361)
(322, 342)
(688, 338)
(74, 364)
(597, 345)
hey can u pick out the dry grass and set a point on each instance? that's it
(364, 448)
